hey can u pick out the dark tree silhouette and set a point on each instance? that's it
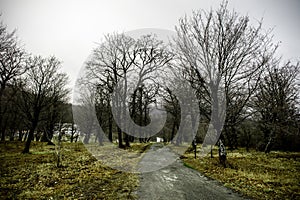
(12, 66)
(276, 102)
(44, 86)
(224, 56)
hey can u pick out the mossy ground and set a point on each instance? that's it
(254, 174)
(36, 176)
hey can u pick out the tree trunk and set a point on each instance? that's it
(222, 153)
(29, 138)
(44, 136)
(72, 137)
(12, 135)
(26, 135)
(31, 132)
(20, 135)
(3, 134)
(76, 138)
(120, 138)
(110, 127)
(72, 132)
(126, 138)
(99, 138)
(268, 145)
(173, 133)
(179, 135)
(195, 148)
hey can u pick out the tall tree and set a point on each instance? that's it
(224, 57)
(172, 106)
(12, 66)
(277, 101)
(44, 86)
(57, 111)
(110, 62)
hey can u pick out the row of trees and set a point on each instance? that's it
(245, 94)
(33, 92)
(218, 61)
(115, 67)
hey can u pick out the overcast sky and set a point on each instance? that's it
(69, 29)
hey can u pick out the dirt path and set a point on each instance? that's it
(177, 181)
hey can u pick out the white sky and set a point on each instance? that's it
(69, 29)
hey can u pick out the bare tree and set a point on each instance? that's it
(172, 106)
(152, 60)
(141, 100)
(44, 85)
(121, 64)
(110, 62)
(12, 66)
(224, 57)
(56, 110)
(276, 102)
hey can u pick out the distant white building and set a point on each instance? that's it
(158, 139)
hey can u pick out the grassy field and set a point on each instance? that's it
(255, 174)
(35, 175)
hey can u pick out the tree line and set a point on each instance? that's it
(33, 93)
(245, 93)
(247, 96)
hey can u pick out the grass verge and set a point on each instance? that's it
(254, 174)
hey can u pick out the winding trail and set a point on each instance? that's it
(177, 181)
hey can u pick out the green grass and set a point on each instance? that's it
(35, 175)
(188, 165)
(255, 174)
